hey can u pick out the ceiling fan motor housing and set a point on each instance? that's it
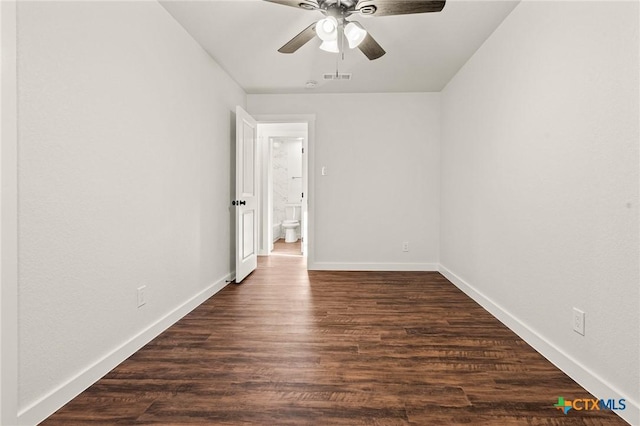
(346, 4)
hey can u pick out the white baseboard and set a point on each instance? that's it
(43, 408)
(596, 385)
(337, 266)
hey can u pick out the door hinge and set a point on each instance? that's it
(303, 195)
(303, 150)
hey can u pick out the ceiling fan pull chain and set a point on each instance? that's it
(342, 40)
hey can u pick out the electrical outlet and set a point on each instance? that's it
(405, 246)
(578, 321)
(141, 296)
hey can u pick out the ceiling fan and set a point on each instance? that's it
(335, 27)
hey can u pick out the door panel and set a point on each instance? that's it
(248, 158)
(246, 200)
(248, 235)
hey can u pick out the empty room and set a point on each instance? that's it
(320, 212)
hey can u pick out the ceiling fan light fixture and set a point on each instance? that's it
(355, 34)
(330, 46)
(327, 29)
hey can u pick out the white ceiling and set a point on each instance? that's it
(424, 51)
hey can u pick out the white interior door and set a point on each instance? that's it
(246, 200)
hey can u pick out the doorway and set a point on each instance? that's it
(286, 194)
(284, 151)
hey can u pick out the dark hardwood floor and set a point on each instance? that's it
(287, 347)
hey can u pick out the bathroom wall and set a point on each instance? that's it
(286, 163)
(277, 232)
(294, 171)
(279, 163)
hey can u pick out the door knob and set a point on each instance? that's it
(238, 203)
(242, 203)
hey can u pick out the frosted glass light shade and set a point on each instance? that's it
(355, 34)
(327, 28)
(330, 46)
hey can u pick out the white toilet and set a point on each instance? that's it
(291, 223)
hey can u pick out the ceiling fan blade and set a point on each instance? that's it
(300, 40)
(398, 7)
(303, 4)
(371, 48)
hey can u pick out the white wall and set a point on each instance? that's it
(540, 185)
(8, 216)
(125, 128)
(381, 152)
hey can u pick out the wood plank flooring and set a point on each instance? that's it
(287, 347)
(280, 248)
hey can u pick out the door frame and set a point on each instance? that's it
(309, 185)
(267, 135)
